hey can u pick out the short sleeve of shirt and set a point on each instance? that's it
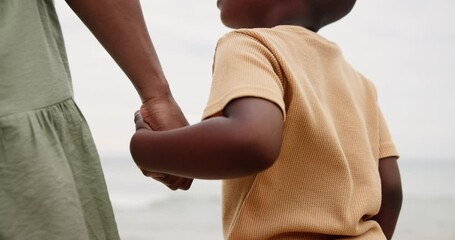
(244, 67)
(386, 146)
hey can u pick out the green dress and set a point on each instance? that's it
(51, 182)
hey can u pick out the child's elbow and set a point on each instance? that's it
(261, 154)
(261, 161)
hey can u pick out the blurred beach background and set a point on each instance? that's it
(407, 48)
(148, 211)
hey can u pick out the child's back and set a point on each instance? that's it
(326, 177)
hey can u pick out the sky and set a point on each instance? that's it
(407, 48)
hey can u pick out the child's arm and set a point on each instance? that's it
(392, 195)
(246, 140)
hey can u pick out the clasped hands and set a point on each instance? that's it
(162, 114)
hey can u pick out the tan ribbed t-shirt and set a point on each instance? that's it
(325, 183)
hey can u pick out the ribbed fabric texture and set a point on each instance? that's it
(325, 183)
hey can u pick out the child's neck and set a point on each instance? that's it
(310, 21)
(301, 23)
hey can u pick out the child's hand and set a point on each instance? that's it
(162, 114)
(139, 121)
(172, 182)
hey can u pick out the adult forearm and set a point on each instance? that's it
(213, 149)
(120, 27)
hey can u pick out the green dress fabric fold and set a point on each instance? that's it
(51, 182)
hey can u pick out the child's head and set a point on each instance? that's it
(311, 14)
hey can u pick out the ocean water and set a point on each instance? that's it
(147, 210)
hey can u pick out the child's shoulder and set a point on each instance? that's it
(248, 36)
(239, 38)
(242, 33)
(280, 33)
(256, 32)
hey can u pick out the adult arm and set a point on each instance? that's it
(392, 195)
(120, 27)
(246, 140)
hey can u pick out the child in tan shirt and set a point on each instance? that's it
(295, 132)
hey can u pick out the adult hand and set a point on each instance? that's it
(161, 114)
